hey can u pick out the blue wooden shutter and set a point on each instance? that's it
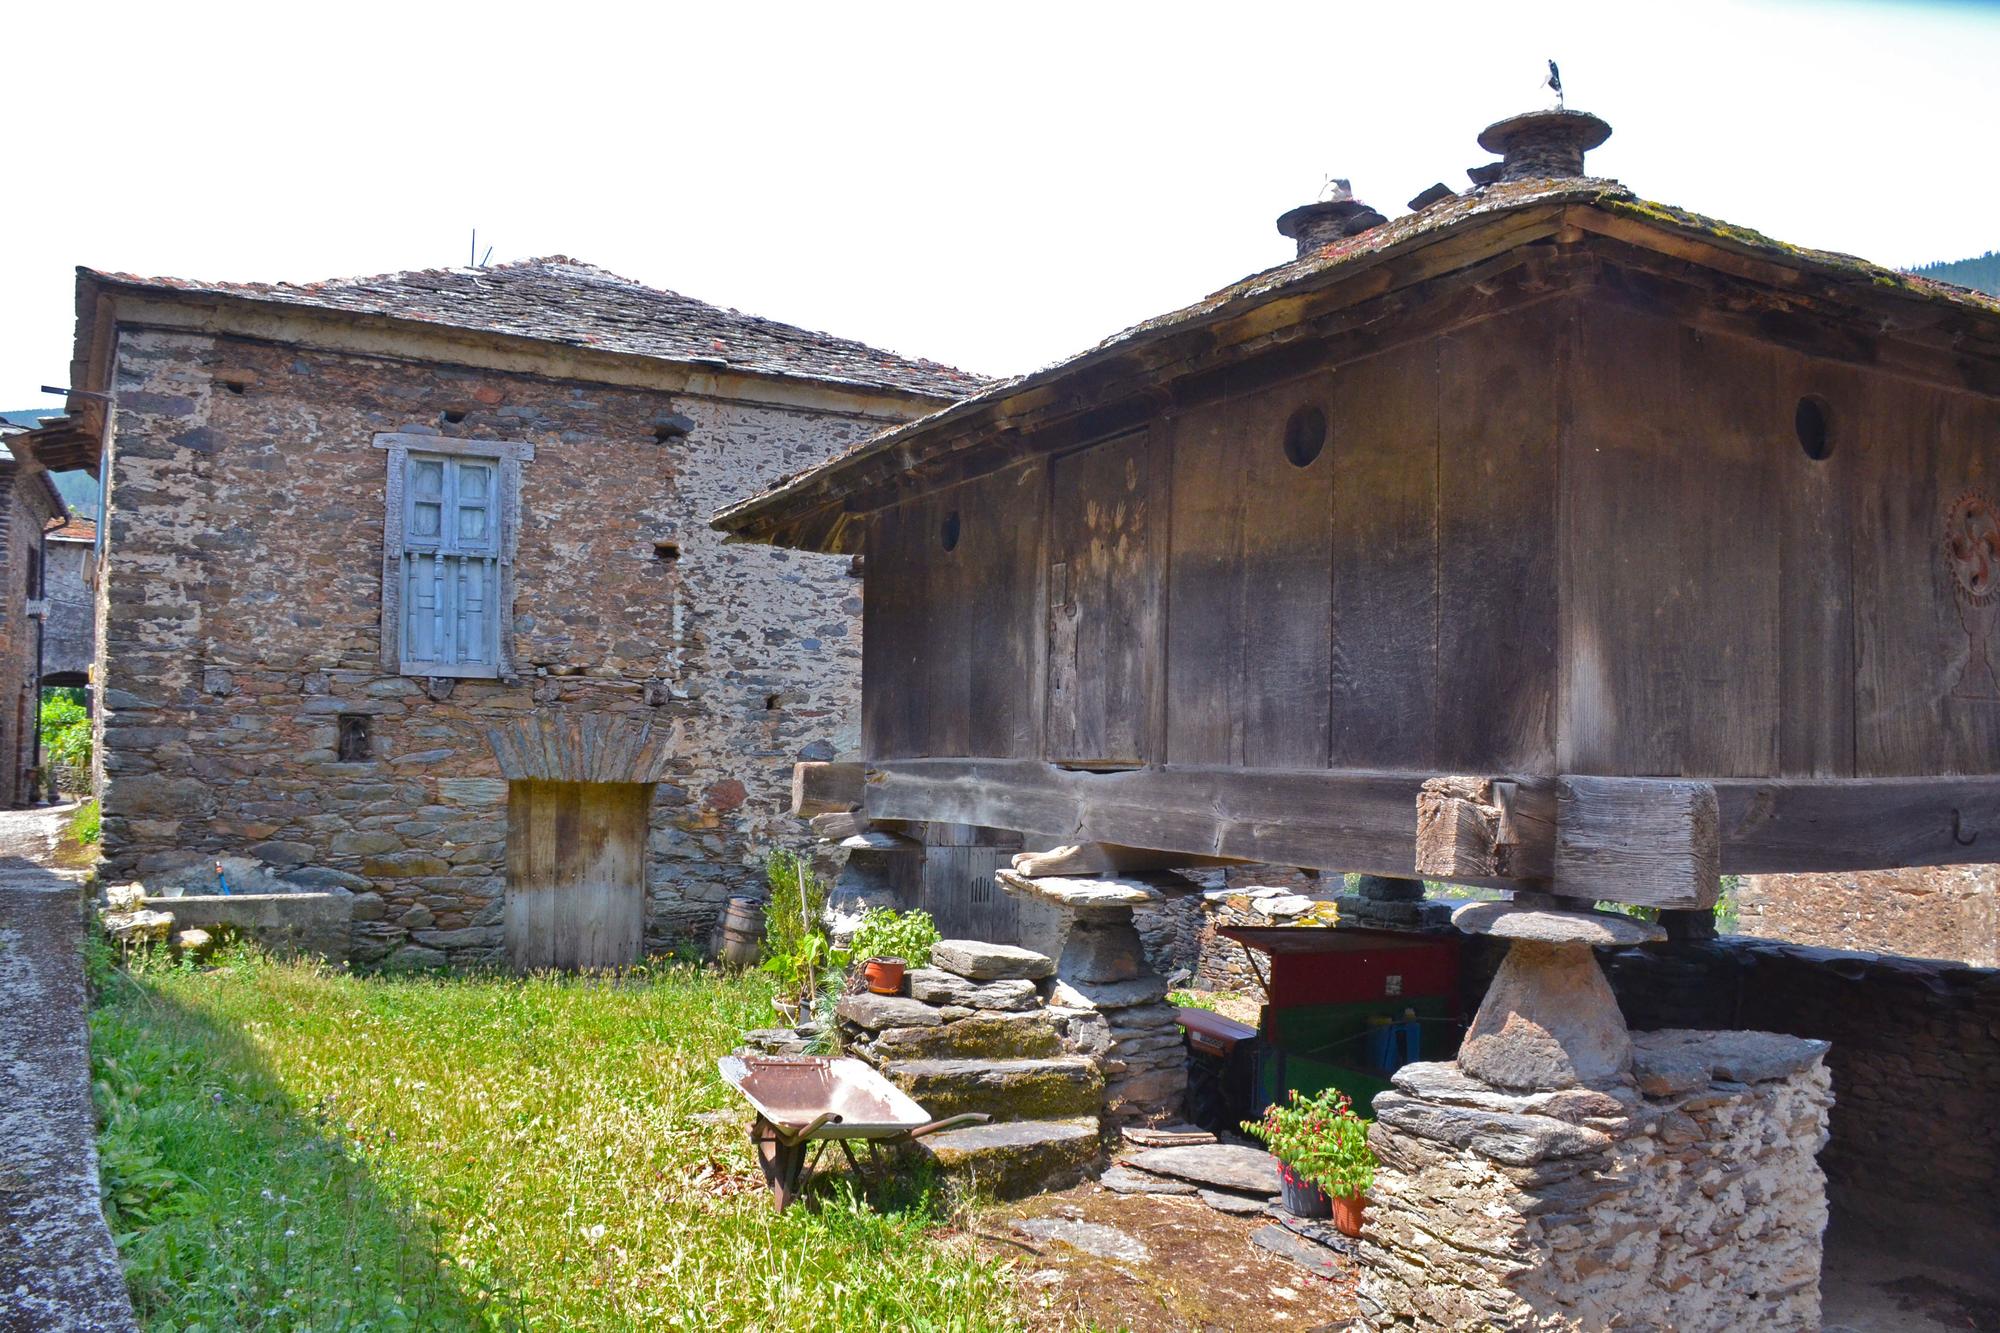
(451, 566)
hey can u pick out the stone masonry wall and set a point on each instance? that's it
(242, 616)
(1936, 912)
(1915, 1060)
(24, 509)
(69, 634)
(1689, 1202)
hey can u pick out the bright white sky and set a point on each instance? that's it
(993, 185)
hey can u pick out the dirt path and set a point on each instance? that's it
(1167, 1264)
(58, 1270)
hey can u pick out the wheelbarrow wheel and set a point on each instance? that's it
(783, 1164)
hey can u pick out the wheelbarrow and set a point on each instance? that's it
(806, 1102)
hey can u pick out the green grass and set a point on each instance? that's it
(86, 825)
(291, 1147)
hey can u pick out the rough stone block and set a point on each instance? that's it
(1059, 1088)
(934, 985)
(976, 960)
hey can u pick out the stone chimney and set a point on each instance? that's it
(1541, 145)
(1316, 224)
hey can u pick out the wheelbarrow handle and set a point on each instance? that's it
(962, 1118)
(824, 1118)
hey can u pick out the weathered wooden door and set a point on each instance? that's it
(576, 873)
(1104, 603)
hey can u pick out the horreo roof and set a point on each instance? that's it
(815, 507)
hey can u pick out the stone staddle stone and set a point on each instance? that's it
(1549, 1020)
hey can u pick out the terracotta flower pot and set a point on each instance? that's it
(1347, 1211)
(884, 975)
(1302, 1198)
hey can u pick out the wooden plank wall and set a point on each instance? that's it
(1480, 572)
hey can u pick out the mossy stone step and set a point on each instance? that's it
(1051, 1089)
(1017, 1158)
(1035, 1036)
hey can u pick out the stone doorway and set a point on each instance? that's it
(576, 873)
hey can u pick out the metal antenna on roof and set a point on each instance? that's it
(1555, 81)
(472, 251)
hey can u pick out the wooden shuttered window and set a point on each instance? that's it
(450, 577)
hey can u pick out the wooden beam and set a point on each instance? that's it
(825, 788)
(1334, 820)
(1774, 826)
(1492, 828)
(1361, 821)
(1652, 841)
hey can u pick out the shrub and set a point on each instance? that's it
(65, 728)
(1320, 1140)
(796, 947)
(886, 933)
(86, 825)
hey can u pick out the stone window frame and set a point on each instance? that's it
(510, 454)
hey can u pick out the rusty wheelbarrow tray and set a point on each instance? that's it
(805, 1102)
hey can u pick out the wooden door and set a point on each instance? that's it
(576, 873)
(1107, 521)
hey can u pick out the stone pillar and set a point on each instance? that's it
(1565, 1173)
(1114, 1000)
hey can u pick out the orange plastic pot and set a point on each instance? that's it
(1347, 1211)
(883, 975)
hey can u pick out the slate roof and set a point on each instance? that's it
(563, 300)
(1453, 213)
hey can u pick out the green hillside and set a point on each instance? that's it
(1981, 274)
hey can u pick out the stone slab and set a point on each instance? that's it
(1030, 1036)
(1106, 1242)
(1513, 1140)
(876, 1012)
(1067, 994)
(1669, 1055)
(1238, 1205)
(977, 960)
(58, 1269)
(1315, 1259)
(1121, 1179)
(1013, 1159)
(1554, 925)
(1086, 894)
(1048, 1089)
(1227, 1166)
(934, 985)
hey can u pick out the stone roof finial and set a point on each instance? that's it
(1327, 220)
(1540, 145)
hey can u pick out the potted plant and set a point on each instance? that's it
(1325, 1165)
(796, 947)
(888, 942)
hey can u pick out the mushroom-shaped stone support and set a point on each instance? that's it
(1549, 1020)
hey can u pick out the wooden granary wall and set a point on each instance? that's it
(1585, 534)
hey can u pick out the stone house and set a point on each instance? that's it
(408, 593)
(28, 502)
(69, 580)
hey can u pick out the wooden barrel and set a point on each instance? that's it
(742, 932)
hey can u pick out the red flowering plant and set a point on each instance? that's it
(1320, 1141)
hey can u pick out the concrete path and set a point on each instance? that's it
(58, 1270)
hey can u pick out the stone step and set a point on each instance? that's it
(1033, 1036)
(1019, 1157)
(1047, 1089)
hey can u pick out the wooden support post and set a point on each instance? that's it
(1486, 828)
(1656, 842)
(825, 789)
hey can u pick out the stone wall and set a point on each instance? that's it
(25, 507)
(1688, 1202)
(242, 618)
(69, 632)
(1937, 912)
(1915, 1061)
